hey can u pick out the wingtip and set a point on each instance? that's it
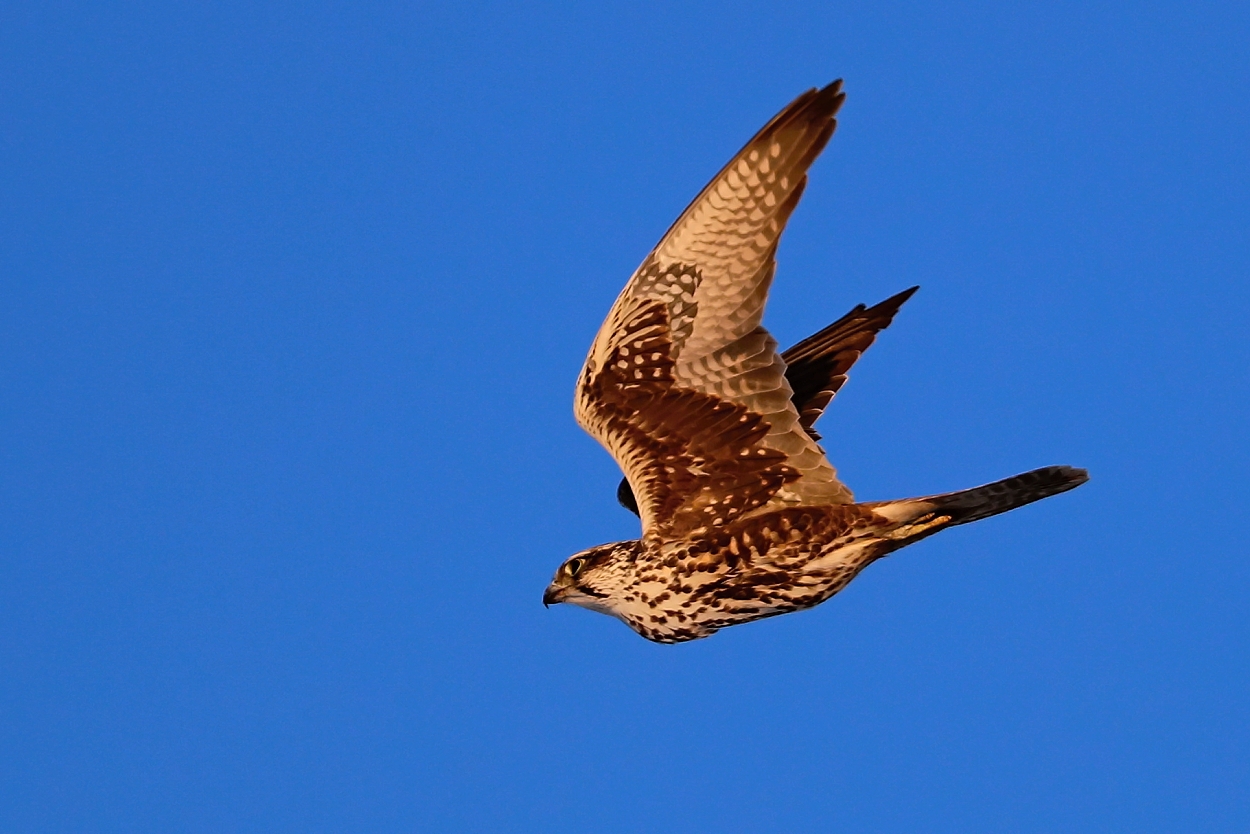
(891, 305)
(834, 94)
(819, 104)
(899, 299)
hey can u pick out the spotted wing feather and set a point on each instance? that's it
(817, 367)
(709, 277)
(696, 461)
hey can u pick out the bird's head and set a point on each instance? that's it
(595, 578)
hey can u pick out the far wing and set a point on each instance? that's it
(816, 367)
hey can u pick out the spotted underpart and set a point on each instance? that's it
(743, 517)
(775, 564)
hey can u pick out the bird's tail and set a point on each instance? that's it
(919, 517)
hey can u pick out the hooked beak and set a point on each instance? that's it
(554, 594)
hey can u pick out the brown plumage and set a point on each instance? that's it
(816, 367)
(743, 517)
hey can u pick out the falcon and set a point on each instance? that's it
(743, 517)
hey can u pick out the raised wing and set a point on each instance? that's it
(682, 384)
(816, 367)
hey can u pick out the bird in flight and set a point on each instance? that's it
(743, 517)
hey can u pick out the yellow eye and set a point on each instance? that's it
(574, 566)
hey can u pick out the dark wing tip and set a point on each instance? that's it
(816, 107)
(833, 91)
(860, 322)
(896, 301)
(823, 102)
(885, 311)
(816, 367)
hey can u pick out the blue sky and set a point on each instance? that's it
(293, 301)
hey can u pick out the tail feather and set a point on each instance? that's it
(917, 518)
(984, 501)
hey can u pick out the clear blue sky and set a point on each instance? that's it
(293, 301)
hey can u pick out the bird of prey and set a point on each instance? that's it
(743, 517)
